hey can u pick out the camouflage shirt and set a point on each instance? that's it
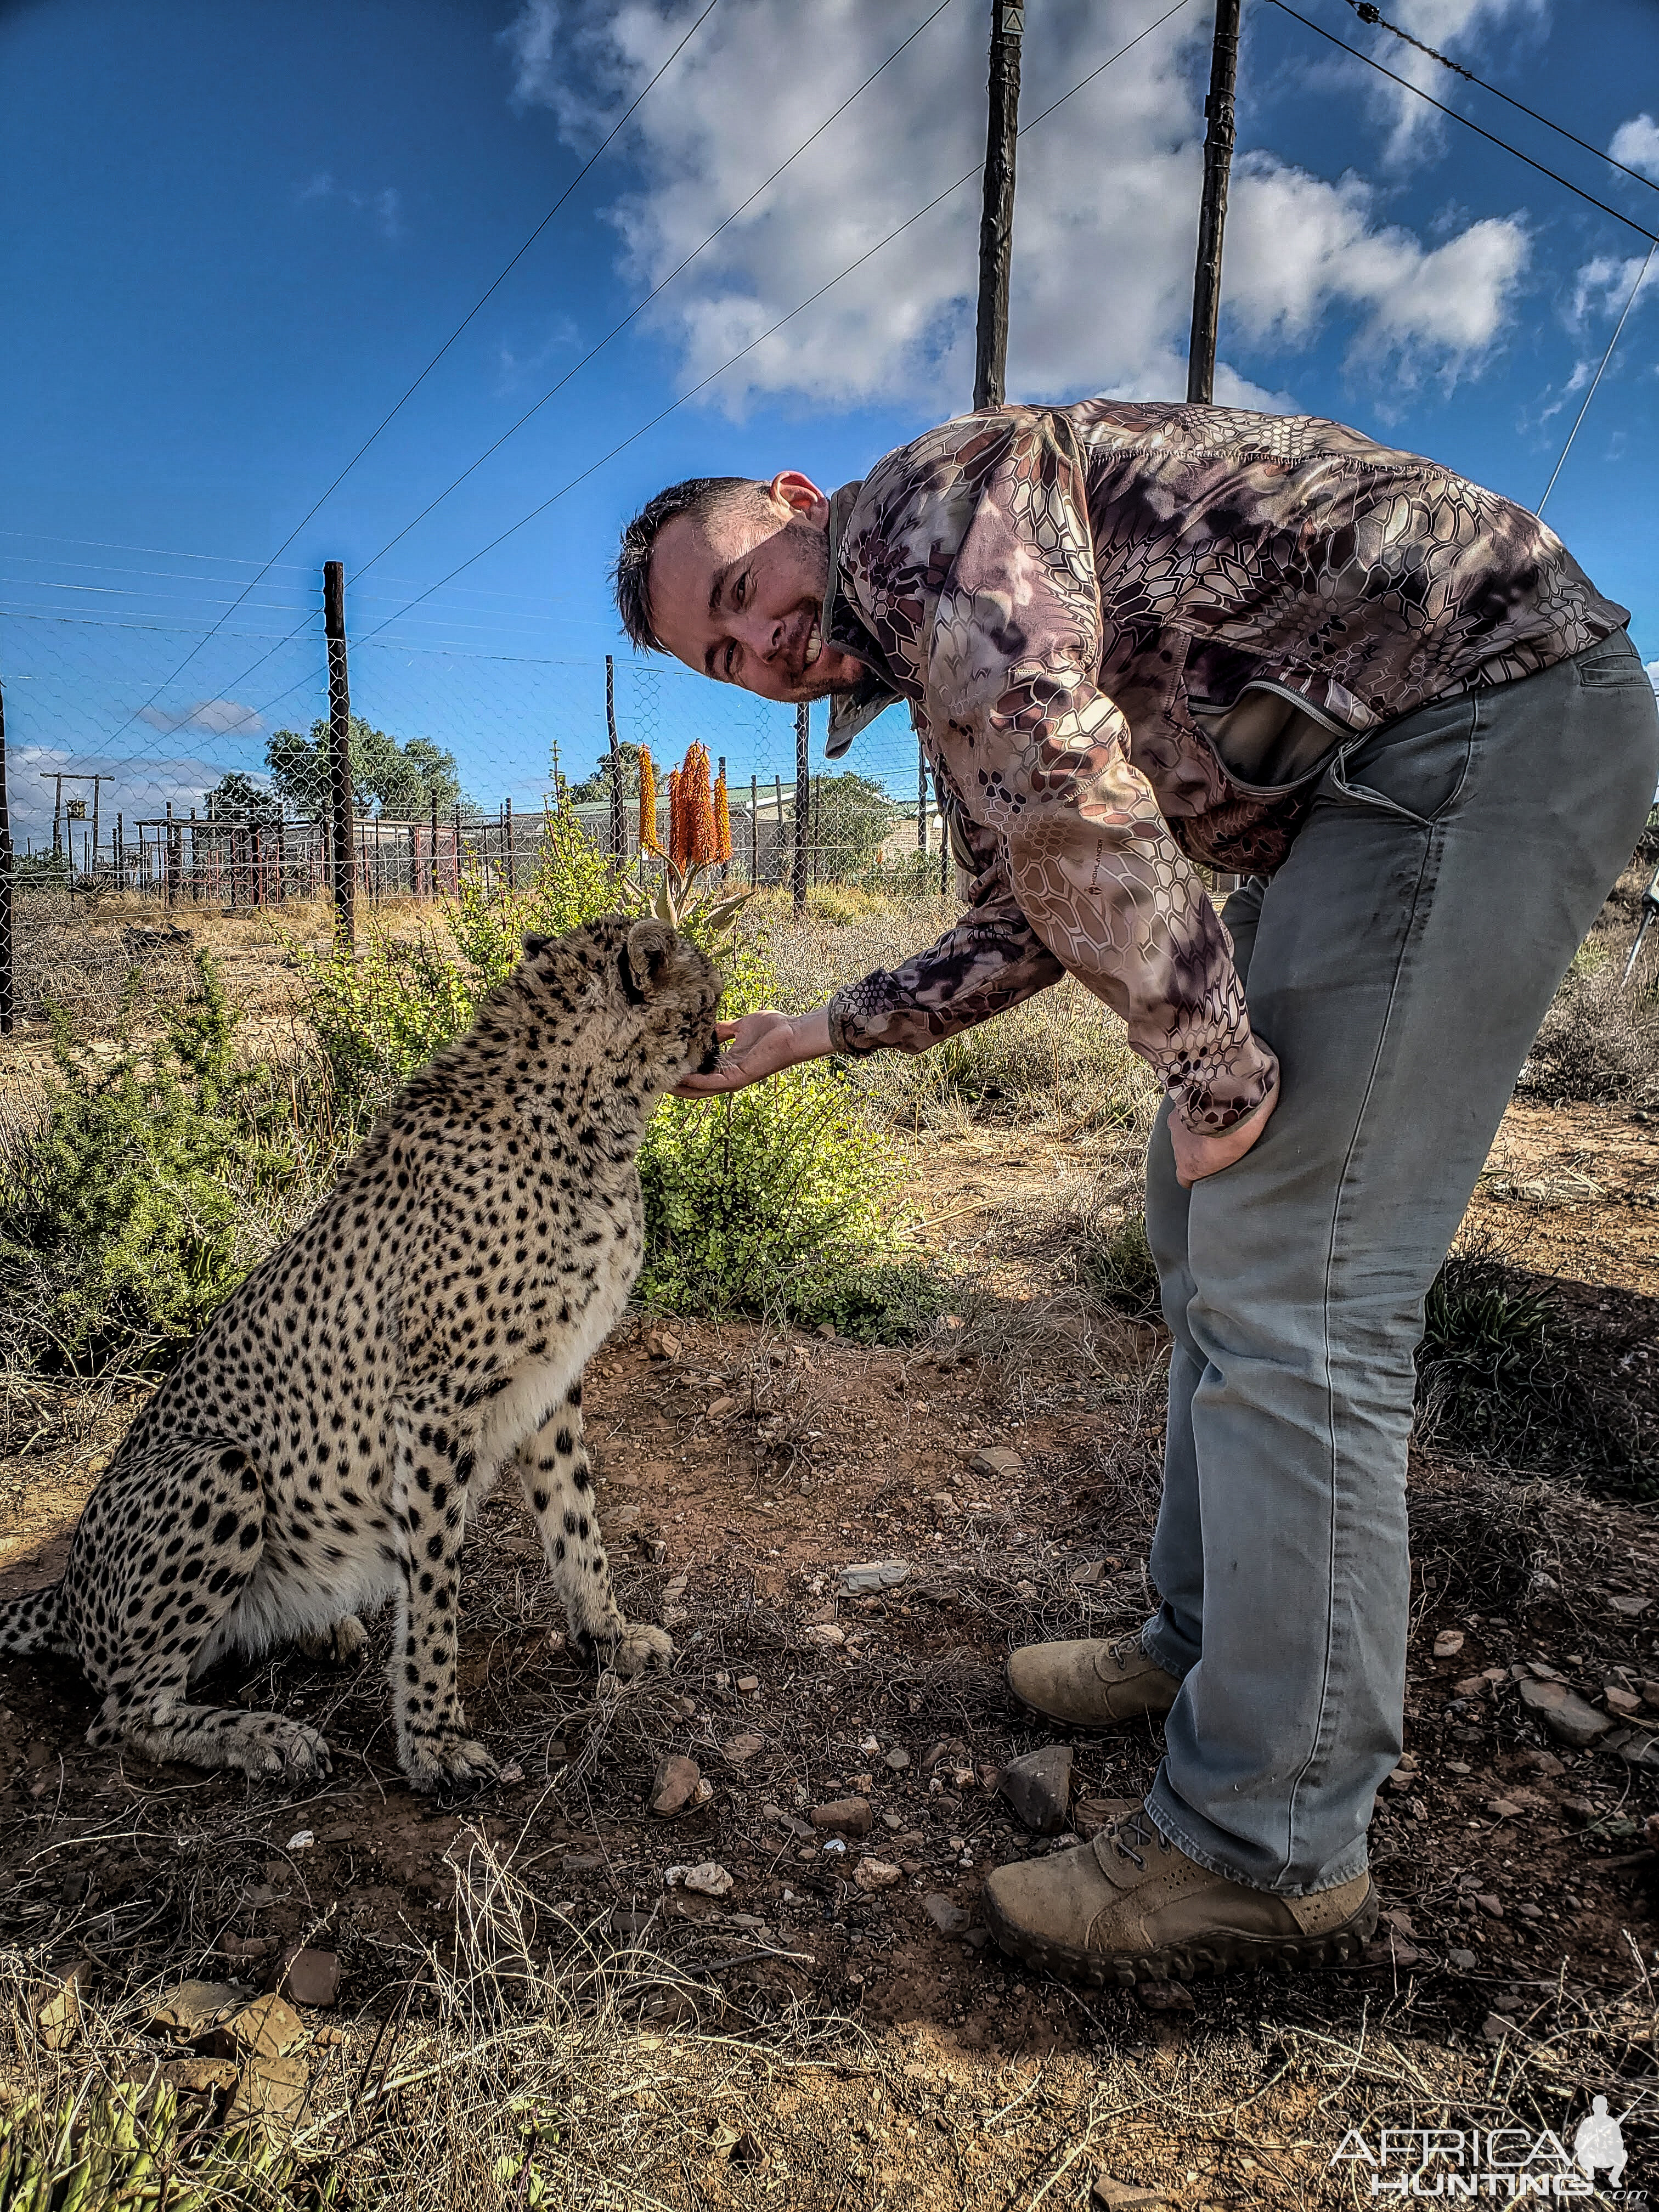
(1062, 593)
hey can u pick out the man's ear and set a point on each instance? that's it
(806, 502)
(649, 944)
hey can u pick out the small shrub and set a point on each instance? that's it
(145, 1190)
(772, 1201)
(1600, 1040)
(126, 2144)
(1115, 1263)
(1501, 1375)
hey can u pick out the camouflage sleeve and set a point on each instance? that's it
(987, 962)
(1041, 756)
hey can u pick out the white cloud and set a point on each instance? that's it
(1604, 285)
(207, 718)
(1636, 144)
(1105, 211)
(1458, 27)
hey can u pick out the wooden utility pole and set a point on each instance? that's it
(618, 829)
(342, 868)
(996, 225)
(1213, 211)
(7, 1006)
(803, 803)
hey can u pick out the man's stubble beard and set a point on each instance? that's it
(813, 552)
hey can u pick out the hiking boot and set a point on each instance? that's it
(1092, 1683)
(1132, 1907)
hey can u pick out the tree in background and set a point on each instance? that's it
(851, 816)
(238, 798)
(594, 790)
(397, 778)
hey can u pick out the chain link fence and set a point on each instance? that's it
(175, 765)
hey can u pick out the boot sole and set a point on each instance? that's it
(1093, 1723)
(1343, 1946)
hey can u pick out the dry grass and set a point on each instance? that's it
(517, 2064)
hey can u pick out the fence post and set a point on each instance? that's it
(343, 869)
(432, 856)
(6, 1003)
(618, 821)
(996, 228)
(754, 829)
(512, 876)
(803, 802)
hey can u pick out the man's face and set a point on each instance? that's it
(739, 597)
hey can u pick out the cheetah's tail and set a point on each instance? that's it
(34, 1623)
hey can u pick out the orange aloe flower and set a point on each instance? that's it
(648, 805)
(722, 821)
(701, 838)
(679, 841)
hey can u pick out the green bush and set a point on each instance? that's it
(772, 1201)
(145, 1190)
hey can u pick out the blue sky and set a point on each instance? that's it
(236, 235)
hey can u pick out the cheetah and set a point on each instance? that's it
(320, 1447)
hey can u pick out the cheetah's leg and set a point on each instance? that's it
(164, 1550)
(558, 1483)
(433, 1745)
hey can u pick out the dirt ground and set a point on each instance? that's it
(872, 2047)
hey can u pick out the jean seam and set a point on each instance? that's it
(1319, 1747)
(1172, 1832)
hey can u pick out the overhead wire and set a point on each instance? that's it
(640, 306)
(402, 534)
(1369, 14)
(394, 411)
(1640, 230)
(1468, 123)
(742, 354)
(1641, 275)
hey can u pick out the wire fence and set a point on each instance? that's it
(173, 762)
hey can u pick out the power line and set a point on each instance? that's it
(546, 396)
(387, 419)
(1368, 13)
(799, 308)
(1596, 379)
(1554, 175)
(640, 307)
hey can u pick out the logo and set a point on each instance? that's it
(1505, 2165)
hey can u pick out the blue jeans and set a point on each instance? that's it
(1399, 964)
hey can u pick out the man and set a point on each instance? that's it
(1134, 637)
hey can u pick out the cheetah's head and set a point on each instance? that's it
(647, 996)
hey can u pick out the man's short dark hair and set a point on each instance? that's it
(630, 580)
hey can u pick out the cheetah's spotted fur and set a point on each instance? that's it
(318, 1448)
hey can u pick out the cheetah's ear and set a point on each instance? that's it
(649, 944)
(533, 945)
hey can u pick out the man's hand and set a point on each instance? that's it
(760, 1045)
(1196, 1156)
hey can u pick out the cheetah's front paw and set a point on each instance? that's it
(637, 1646)
(445, 1760)
(276, 1749)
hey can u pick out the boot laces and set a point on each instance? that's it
(1135, 1834)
